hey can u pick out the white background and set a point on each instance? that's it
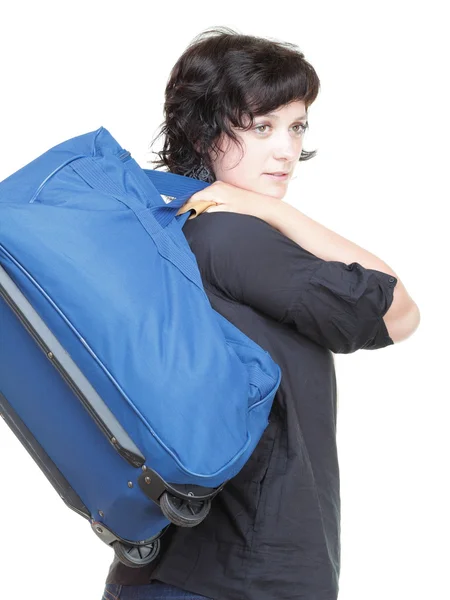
(380, 178)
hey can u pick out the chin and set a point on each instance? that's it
(277, 195)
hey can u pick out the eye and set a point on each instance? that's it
(303, 128)
(259, 127)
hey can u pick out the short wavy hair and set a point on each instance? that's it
(226, 79)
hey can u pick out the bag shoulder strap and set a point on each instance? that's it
(196, 207)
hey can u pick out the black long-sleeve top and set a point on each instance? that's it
(273, 533)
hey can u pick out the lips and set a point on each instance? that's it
(280, 176)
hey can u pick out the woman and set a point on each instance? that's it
(236, 113)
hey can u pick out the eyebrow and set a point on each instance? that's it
(277, 117)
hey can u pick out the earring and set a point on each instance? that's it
(201, 172)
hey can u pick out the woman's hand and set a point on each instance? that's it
(230, 198)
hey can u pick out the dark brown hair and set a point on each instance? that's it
(223, 79)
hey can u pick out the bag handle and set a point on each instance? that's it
(195, 207)
(171, 184)
(178, 186)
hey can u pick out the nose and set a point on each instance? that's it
(287, 148)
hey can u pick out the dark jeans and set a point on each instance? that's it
(154, 591)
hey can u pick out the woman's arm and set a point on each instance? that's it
(338, 306)
(402, 318)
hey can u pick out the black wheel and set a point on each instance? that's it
(184, 513)
(136, 556)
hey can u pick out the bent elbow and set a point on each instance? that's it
(403, 327)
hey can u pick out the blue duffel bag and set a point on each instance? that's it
(134, 396)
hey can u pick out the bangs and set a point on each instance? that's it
(280, 83)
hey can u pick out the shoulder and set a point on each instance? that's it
(225, 221)
(225, 232)
(231, 231)
(246, 243)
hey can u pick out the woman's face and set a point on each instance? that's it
(274, 144)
